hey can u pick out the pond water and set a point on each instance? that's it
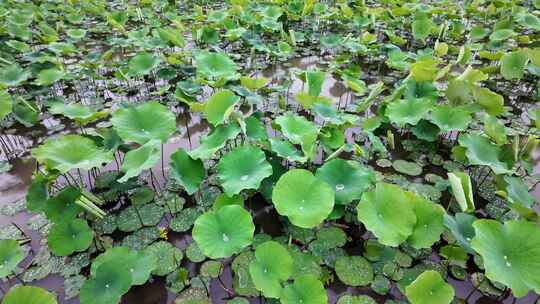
(14, 183)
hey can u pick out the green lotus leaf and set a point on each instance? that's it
(184, 220)
(518, 192)
(451, 118)
(140, 159)
(68, 237)
(139, 263)
(223, 232)
(405, 167)
(215, 66)
(492, 102)
(300, 131)
(61, 207)
(349, 179)
(272, 266)
(408, 111)
(502, 34)
(421, 27)
(360, 299)
(426, 130)
(387, 213)
(129, 219)
(38, 193)
(76, 34)
(11, 254)
(111, 281)
(80, 113)
(354, 270)
(6, 104)
(144, 122)
(254, 83)
(29, 295)
(286, 150)
(142, 64)
(224, 200)
(187, 171)
(303, 198)
(168, 257)
(513, 64)
(429, 288)
(424, 70)
(305, 289)
(172, 36)
(219, 106)
(58, 153)
(462, 190)
(480, 151)
(495, 129)
(511, 253)
(13, 75)
(26, 112)
(245, 167)
(461, 226)
(215, 141)
(429, 223)
(315, 80)
(49, 76)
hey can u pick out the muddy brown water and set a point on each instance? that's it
(13, 186)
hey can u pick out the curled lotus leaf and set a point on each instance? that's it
(303, 198)
(244, 167)
(223, 232)
(58, 153)
(140, 159)
(187, 171)
(214, 141)
(300, 131)
(80, 113)
(144, 122)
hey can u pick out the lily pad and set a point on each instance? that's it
(142, 64)
(139, 263)
(408, 111)
(303, 198)
(272, 266)
(223, 232)
(244, 167)
(354, 270)
(167, 256)
(349, 178)
(305, 289)
(29, 295)
(112, 280)
(187, 171)
(11, 254)
(405, 167)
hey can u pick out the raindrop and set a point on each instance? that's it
(508, 264)
(301, 208)
(340, 187)
(244, 178)
(106, 285)
(225, 238)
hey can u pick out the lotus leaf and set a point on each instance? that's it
(480, 151)
(13, 75)
(405, 167)
(49, 76)
(216, 234)
(80, 113)
(303, 198)
(68, 237)
(408, 111)
(450, 118)
(167, 256)
(187, 171)
(430, 288)
(513, 64)
(111, 281)
(140, 159)
(6, 104)
(11, 254)
(305, 289)
(215, 66)
(243, 168)
(462, 190)
(299, 130)
(29, 295)
(511, 253)
(219, 106)
(272, 266)
(139, 263)
(215, 141)
(59, 153)
(461, 226)
(354, 270)
(142, 64)
(144, 122)
(349, 179)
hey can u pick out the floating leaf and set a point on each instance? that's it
(168, 257)
(349, 179)
(139, 263)
(511, 253)
(513, 64)
(29, 295)
(430, 288)
(58, 153)
(272, 266)
(187, 171)
(405, 167)
(142, 64)
(303, 198)
(223, 232)
(144, 122)
(243, 168)
(354, 270)
(110, 282)
(68, 237)
(408, 111)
